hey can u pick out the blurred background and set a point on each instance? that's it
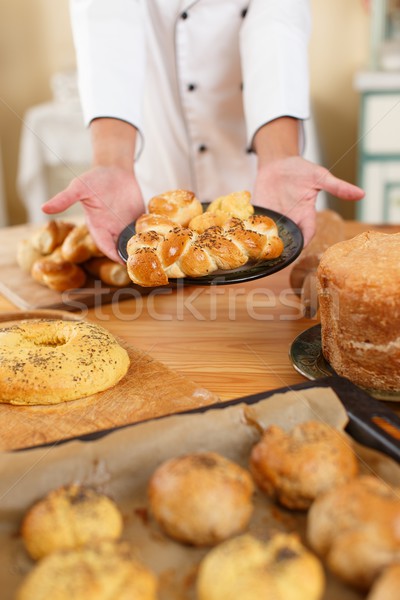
(38, 97)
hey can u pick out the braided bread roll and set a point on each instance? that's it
(50, 236)
(58, 274)
(110, 272)
(79, 246)
(154, 257)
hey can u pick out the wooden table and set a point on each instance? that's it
(233, 340)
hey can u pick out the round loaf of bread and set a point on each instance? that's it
(295, 467)
(201, 498)
(69, 517)
(51, 361)
(103, 572)
(359, 296)
(355, 528)
(249, 569)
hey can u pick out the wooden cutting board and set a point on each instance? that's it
(149, 389)
(18, 287)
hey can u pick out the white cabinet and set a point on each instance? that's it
(379, 146)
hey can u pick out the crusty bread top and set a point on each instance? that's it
(370, 261)
(47, 362)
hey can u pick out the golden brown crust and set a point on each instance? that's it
(51, 235)
(97, 572)
(178, 205)
(79, 246)
(209, 219)
(249, 569)
(108, 271)
(183, 252)
(56, 273)
(387, 585)
(358, 288)
(152, 222)
(295, 467)
(69, 517)
(355, 529)
(236, 204)
(47, 362)
(201, 498)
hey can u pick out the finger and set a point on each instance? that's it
(337, 187)
(60, 202)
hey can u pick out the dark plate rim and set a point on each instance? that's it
(308, 345)
(288, 230)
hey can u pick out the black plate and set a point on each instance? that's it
(308, 360)
(288, 231)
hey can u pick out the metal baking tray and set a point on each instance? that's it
(371, 422)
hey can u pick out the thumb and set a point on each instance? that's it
(338, 187)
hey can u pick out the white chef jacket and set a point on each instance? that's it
(196, 78)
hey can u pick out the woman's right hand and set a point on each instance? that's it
(111, 199)
(109, 192)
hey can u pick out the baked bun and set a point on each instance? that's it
(355, 529)
(104, 572)
(387, 586)
(297, 466)
(151, 222)
(178, 205)
(58, 274)
(108, 271)
(247, 568)
(69, 517)
(79, 246)
(236, 204)
(51, 235)
(358, 289)
(47, 362)
(27, 255)
(217, 218)
(201, 498)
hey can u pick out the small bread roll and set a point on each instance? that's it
(108, 271)
(246, 568)
(201, 498)
(236, 204)
(108, 571)
(209, 219)
(355, 529)
(151, 222)
(79, 246)
(387, 586)
(297, 466)
(178, 205)
(69, 517)
(51, 235)
(58, 274)
(27, 255)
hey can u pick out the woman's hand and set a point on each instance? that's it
(109, 192)
(291, 185)
(111, 199)
(288, 183)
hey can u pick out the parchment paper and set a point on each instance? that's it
(121, 463)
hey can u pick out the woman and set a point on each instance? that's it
(206, 95)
